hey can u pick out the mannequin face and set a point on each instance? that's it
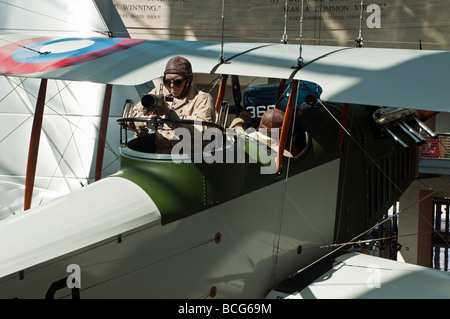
(175, 83)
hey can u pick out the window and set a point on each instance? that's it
(440, 239)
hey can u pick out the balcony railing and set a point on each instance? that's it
(436, 147)
(435, 155)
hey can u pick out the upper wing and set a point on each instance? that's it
(388, 77)
(413, 79)
(355, 275)
(385, 77)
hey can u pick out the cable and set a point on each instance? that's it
(390, 180)
(359, 40)
(300, 57)
(282, 204)
(51, 17)
(143, 266)
(284, 38)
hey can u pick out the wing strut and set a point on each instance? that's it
(34, 144)
(280, 92)
(102, 132)
(223, 84)
(286, 124)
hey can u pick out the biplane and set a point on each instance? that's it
(235, 219)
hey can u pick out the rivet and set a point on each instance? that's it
(218, 237)
(213, 292)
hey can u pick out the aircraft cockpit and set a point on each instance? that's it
(217, 140)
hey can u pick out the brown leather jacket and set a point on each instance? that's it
(197, 105)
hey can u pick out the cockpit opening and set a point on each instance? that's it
(201, 137)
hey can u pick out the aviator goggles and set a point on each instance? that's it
(176, 82)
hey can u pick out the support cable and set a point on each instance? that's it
(300, 57)
(146, 265)
(276, 245)
(51, 17)
(359, 40)
(359, 146)
(222, 55)
(284, 38)
(363, 233)
(341, 245)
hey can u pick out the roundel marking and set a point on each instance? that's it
(45, 54)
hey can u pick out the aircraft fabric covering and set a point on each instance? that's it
(369, 76)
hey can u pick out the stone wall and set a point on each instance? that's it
(391, 24)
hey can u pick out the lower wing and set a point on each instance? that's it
(354, 275)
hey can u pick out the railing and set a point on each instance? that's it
(436, 147)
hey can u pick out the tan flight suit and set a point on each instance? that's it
(197, 105)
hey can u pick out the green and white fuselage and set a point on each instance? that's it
(164, 228)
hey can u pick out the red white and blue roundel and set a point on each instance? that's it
(44, 54)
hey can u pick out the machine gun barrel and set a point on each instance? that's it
(387, 115)
(152, 102)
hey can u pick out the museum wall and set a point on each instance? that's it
(411, 24)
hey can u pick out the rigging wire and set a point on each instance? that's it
(222, 55)
(48, 136)
(300, 60)
(358, 242)
(411, 205)
(300, 57)
(383, 172)
(283, 196)
(359, 40)
(359, 146)
(213, 84)
(73, 127)
(284, 38)
(110, 147)
(138, 268)
(370, 229)
(390, 181)
(62, 155)
(14, 86)
(52, 17)
(345, 171)
(25, 47)
(365, 241)
(47, 52)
